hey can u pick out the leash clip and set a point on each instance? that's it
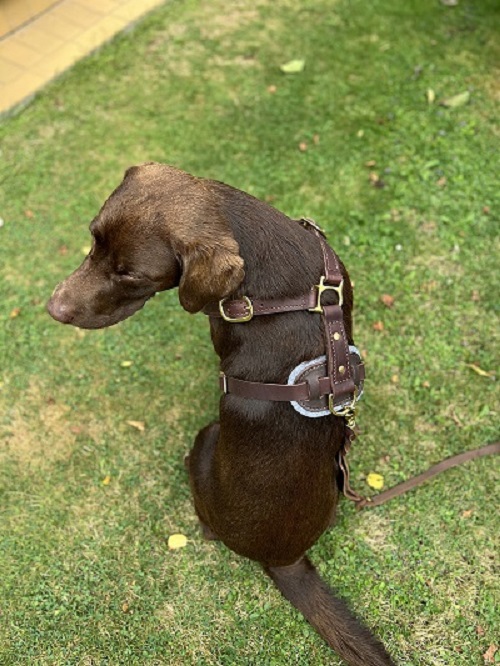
(347, 411)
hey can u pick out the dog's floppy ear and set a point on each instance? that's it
(211, 269)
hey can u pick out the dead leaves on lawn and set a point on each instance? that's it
(293, 66)
(479, 371)
(375, 481)
(138, 425)
(176, 541)
(489, 655)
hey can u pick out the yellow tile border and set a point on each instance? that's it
(42, 49)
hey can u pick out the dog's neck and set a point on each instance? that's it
(282, 258)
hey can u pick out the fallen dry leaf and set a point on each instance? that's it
(475, 296)
(450, 412)
(29, 214)
(125, 607)
(387, 300)
(271, 89)
(480, 630)
(138, 425)
(370, 164)
(480, 371)
(293, 66)
(106, 481)
(441, 182)
(489, 655)
(375, 480)
(303, 146)
(15, 313)
(456, 100)
(467, 513)
(126, 364)
(486, 210)
(63, 250)
(378, 326)
(375, 180)
(176, 541)
(395, 379)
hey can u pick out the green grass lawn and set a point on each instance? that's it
(408, 192)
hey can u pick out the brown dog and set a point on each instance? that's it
(264, 476)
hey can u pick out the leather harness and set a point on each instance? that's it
(340, 378)
(333, 384)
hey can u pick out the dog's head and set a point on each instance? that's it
(161, 228)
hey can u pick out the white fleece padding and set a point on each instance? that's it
(299, 369)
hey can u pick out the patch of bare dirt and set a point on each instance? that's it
(39, 429)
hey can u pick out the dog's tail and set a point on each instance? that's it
(301, 584)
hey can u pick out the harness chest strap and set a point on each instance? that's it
(303, 391)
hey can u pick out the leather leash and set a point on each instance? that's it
(414, 482)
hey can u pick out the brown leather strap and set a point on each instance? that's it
(274, 392)
(263, 391)
(337, 346)
(238, 308)
(343, 479)
(336, 342)
(414, 482)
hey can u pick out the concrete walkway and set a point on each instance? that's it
(39, 39)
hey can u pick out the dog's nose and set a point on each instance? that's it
(59, 311)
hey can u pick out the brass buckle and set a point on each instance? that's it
(321, 287)
(236, 320)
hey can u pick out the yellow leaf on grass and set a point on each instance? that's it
(375, 480)
(480, 371)
(456, 100)
(126, 364)
(176, 541)
(106, 481)
(293, 66)
(138, 425)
